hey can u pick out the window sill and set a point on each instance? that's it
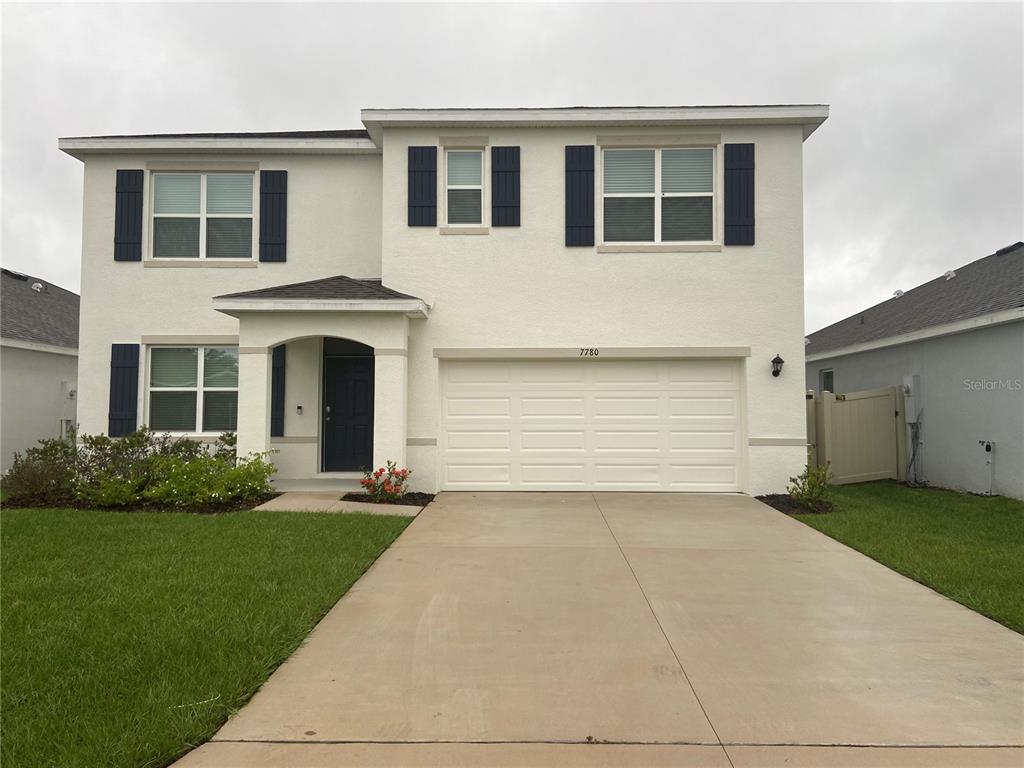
(465, 230)
(202, 263)
(673, 248)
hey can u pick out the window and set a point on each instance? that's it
(659, 195)
(202, 215)
(465, 189)
(189, 385)
(827, 380)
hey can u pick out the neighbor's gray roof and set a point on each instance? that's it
(987, 285)
(48, 316)
(338, 287)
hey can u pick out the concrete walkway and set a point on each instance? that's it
(633, 630)
(331, 501)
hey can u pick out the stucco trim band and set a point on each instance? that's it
(802, 441)
(201, 263)
(560, 353)
(195, 338)
(294, 439)
(671, 140)
(464, 230)
(463, 142)
(253, 350)
(386, 351)
(421, 441)
(676, 248)
(199, 166)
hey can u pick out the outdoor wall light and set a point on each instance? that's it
(777, 365)
(298, 409)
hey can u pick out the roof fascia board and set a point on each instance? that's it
(36, 346)
(810, 116)
(233, 307)
(946, 329)
(87, 146)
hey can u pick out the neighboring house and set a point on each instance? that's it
(38, 362)
(500, 299)
(957, 344)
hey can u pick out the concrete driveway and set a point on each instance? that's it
(633, 630)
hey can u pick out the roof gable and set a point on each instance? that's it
(48, 315)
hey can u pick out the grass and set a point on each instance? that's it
(967, 547)
(128, 638)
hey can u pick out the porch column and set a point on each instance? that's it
(253, 400)
(390, 385)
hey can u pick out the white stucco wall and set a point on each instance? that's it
(333, 228)
(518, 287)
(958, 408)
(34, 397)
(522, 287)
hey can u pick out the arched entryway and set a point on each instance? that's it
(348, 406)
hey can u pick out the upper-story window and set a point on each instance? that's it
(659, 195)
(202, 215)
(464, 187)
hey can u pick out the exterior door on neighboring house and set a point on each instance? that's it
(348, 409)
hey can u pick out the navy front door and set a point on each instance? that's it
(348, 413)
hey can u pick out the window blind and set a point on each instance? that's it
(464, 168)
(173, 367)
(176, 193)
(229, 193)
(172, 411)
(220, 367)
(628, 219)
(686, 170)
(629, 170)
(220, 411)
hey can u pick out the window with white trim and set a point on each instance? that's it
(193, 389)
(827, 378)
(464, 187)
(202, 215)
(659, 195)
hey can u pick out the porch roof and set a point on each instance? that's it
(329, 294)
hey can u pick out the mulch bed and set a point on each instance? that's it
(790, 506)
(211, 509)
(408, 500)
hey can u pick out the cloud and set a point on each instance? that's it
(917, 171)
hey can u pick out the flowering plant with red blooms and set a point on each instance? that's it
(385, 483)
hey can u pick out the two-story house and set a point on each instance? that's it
(499, 299)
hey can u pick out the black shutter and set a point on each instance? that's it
(422, 186)
(505, 186)
(128, 216)
(277, 392)
(273, 215)
(579, 195)
(739, 194)
(124, 389)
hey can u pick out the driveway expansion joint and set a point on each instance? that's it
(661, 628)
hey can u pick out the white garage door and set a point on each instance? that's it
(642, 425)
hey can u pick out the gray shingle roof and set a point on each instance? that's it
(990, 284)
(337, 287)
(47, 316)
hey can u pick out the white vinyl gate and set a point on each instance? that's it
(640, 425)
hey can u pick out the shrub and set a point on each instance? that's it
(811, 487)
(386, 483)
(39, 480)
(140, 468)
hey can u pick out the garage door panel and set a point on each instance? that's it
(553, 440)
(627, 441)
(626, 407)
(702, 406)
(559, 407)
(475, 440)
(473, 407)
(584, 424)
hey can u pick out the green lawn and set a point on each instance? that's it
(128, 638)
(969, 548)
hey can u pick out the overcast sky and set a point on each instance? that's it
(918, 169)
